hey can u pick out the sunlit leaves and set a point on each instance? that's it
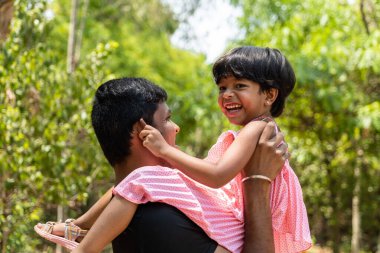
(48, 152)
(332, 116)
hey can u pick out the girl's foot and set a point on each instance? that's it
(66, 234)
(57, 229)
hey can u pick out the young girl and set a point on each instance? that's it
(253, 84)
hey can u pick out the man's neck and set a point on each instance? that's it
(121, 171)
(139, 157)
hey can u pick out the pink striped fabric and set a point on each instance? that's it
(219, 212)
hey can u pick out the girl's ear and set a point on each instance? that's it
(271, 96)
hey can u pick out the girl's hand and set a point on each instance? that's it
(153, 140)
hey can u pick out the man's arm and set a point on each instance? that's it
(267, 161)
(258, 219)
(112, 221)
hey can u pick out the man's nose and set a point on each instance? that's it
(177, 128)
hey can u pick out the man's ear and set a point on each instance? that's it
(139, 126)
(271, 96)
(136, 129)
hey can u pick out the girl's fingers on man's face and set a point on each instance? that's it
(143, 134)
(142, 121)
(140, 125)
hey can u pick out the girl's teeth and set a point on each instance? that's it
(233, 107)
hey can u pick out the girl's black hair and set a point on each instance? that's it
(266, 66)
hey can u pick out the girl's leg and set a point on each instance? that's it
(87, 219)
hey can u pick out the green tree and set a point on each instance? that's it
(142, 30)
(332, 117)
(49, 155)
(47, 152)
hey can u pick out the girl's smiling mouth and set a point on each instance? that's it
(232, 107)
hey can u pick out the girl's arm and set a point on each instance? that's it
(211, 174)
(112, 221)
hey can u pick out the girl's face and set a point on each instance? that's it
(241, 100)
(164, 124)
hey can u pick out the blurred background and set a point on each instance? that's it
(55, 53)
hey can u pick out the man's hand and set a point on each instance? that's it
(270, 154)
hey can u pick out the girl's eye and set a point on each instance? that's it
(239, 85)
(221, 89)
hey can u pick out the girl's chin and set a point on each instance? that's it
(235, 119)
(236, 122)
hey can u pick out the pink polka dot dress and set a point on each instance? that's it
(219, 212)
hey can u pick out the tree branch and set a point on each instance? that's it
(6, 13)
(364, 18)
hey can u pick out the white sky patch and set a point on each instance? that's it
(212, 26)
(210, 29)
(49, 14)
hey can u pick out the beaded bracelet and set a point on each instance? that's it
(258, 177)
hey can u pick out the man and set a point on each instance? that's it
(156, 227)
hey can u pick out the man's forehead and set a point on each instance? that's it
(162, 110)
(165, 107)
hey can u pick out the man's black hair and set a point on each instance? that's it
(118, 105)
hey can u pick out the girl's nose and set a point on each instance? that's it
(227, 94)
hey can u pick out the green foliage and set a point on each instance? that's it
(47, 152)
(142, 30)
(332, 116)
(49, 155)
